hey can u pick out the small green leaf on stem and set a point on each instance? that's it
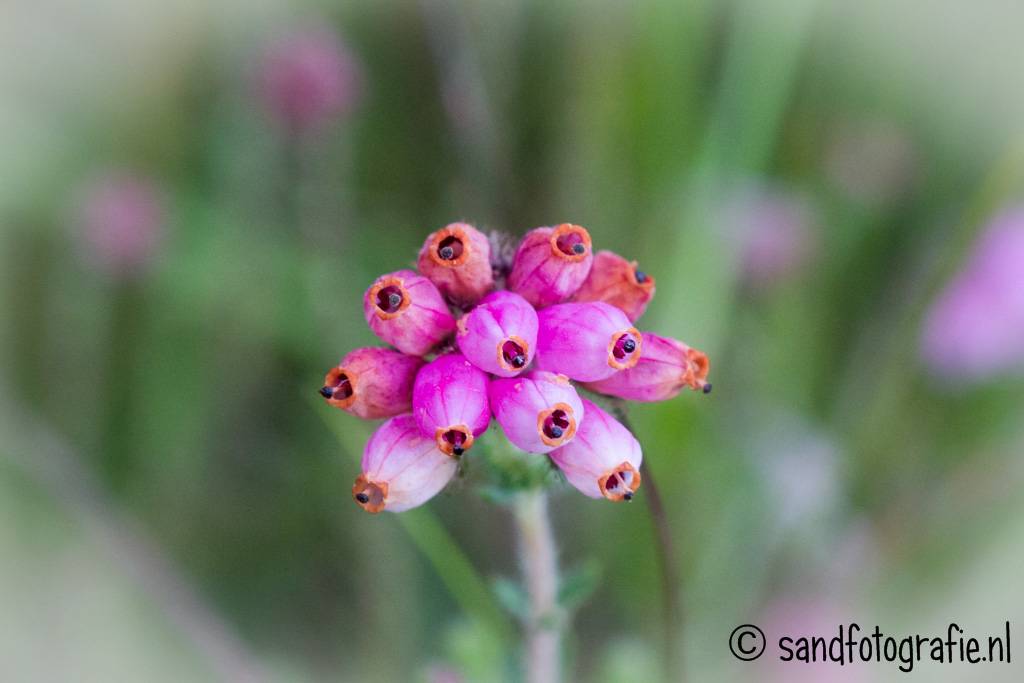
(579, 584)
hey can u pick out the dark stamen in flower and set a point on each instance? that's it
(513, 353)
(339, 389)
(450, 248)
(555, 424)
(624, 346)
(456, 438)
(571, 244)
(707, 388)
(621, 483)
(371, 496)
(389, 299)
(641, 276)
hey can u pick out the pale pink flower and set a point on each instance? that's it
(308, 78)
(121, 220)
(975, 329)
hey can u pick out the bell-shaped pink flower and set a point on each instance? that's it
(499, 336)
(449, 402)
(372, 383)
(586, 342)
(665, 367)
(457, 258)
(539, 411)
(551, 264)
(618, 282)
(406, 310)
(401, 468)
(604, 458)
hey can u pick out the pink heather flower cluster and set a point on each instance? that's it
(565, 315)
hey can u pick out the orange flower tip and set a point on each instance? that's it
(620, 483)
(371, 496)
(570, 241)
(454, 441)
(338, 386)
(451, 248)
(624, 347)
(555, 424)
(447, 246)
(513, 353)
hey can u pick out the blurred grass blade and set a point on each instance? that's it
(466, 586)
(761, 62)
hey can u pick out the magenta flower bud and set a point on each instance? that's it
(121, 220)
(551, 264)
(406, 310)
(372, 383)
(457, 258)
(587, 342)
(499, 335)
(539, 411)
(618, 282)
(665, 367)
(604, 458)
(449, 401)
(401, 468)
(307, 78)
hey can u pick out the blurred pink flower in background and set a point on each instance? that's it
(776, 233)
(801, 471)
(975, 328)
(121, 221)
(442, 673)
(871, 162)
(308, 77)
(805, 616)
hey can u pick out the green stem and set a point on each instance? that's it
(664, 550)
(469, 590)
(539, 558)
(118, 459)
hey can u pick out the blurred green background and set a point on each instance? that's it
(802, 177)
